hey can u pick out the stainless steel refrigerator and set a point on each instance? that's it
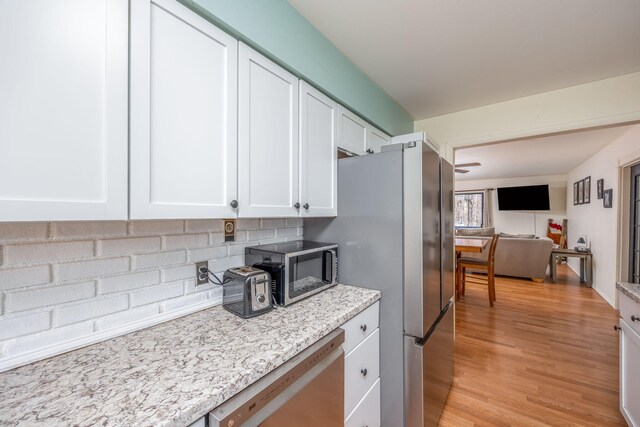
(395, 231)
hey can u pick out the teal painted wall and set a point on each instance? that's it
(276, 29)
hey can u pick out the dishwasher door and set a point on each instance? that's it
(307, 390)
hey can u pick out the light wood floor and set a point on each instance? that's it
(546, 354)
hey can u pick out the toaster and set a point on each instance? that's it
(246, 291)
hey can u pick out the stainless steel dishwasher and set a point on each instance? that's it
(307, 390)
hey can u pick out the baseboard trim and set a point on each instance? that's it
(76, 343)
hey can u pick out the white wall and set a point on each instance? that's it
(524, 222)
(67, 284)
(600, 224)
(604, 102)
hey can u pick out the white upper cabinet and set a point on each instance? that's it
(359, 137)
(267, 138)
(183, 114)
(376, 139)
(63, 110)
(353, 132)
(318, 155)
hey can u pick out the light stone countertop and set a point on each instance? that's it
(172, 373)
(632, 290)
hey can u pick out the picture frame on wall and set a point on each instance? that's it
(607, 199)
(599, 188)
(581, 191)
(575, 193)
(587, 190)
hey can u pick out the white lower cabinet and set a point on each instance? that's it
(362, 369)
(629, 360)
(367, 413)
(630, 374)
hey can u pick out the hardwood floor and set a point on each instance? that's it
(545, 355)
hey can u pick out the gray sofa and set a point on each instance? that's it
(517, 256)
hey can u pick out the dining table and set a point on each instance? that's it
(469, 245)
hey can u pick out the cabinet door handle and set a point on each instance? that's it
(306, 206)
(617, 328)
(635, 318)
(234, 204)
(363, 372)
(296, 205)
(364, 328)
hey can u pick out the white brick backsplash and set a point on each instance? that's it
(157, 293)
(247, 224)
(116, 320)
(40, 297)
(99, 267)
(238, 249)
(160, 259)
(172, 274)
(223, 264)
(51, 337)
(129, 246)
(241, 236)
(177, 303)
(184, 241)
(29, 276)
(92, 309)
(205, 254)
(216, 238)
(71, 280)
(156, 227)
(18, 231)
(47, 252)
(65, 230)
(205, 225)
(126, 282)
(16, 326)
(190, 287)
(273, 223)
(256, 235)
(295, 222)
(286, 232)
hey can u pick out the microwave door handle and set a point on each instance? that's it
(329, 274)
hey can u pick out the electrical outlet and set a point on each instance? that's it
(202, 277)
(229, 230)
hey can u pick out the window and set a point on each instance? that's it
(469, 210)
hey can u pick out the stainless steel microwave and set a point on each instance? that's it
(298, 269)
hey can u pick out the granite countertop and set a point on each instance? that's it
(632, 290)
(172, 373)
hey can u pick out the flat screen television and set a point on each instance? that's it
(529, 198)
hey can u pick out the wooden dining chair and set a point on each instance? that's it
(479, 264)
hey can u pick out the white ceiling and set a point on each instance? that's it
(438, 56)
(549, 155)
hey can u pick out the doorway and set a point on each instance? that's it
(634, 222)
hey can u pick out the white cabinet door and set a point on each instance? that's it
(267, 138)
(63, 110)
(630, 374)
(353, 132)
(318, 153)
(367, 413)
(183, 114)
(376, 139)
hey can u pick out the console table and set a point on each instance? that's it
(586, 271)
